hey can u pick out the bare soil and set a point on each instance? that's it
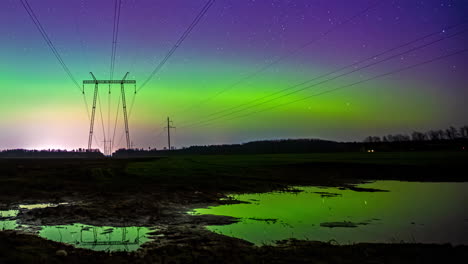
(159, 191)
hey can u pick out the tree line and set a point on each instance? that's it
(450, 133)
(450, 139)
(51, 153)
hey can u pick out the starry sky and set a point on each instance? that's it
(240, 52)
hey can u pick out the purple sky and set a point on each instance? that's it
(234, 39)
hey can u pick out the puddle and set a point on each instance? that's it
(39, 206)
(407, 212)
(102, 238)
(6, 220)
(99, 238)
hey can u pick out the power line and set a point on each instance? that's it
(339, 69)
(129, 115)
(120, 140)
(333, 78)
(115, 123)
(161, 133)
(102, 119)
(330, 79)
(115, 34)
(44, 34)
(108, 112)
(287, 55)
(85, 101)
(50, 44)
(350, 85)
(178, 43)
(132, 104)
(186, 33)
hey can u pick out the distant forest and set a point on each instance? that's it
(450, 139)
(50, 153)
(450, 133)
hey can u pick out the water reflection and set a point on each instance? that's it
(102, 238)
(6, 219)
(40, 205)
(409, 212)
(99, 238)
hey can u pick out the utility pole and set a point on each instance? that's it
(124, 106)
(169, 122)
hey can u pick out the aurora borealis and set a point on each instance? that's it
(40, 107)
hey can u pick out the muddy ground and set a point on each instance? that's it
(159, 192)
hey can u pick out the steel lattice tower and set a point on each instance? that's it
(124, 104)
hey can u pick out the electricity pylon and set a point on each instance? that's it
(124, 104)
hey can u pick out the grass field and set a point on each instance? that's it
(33, 178)
(323, 168)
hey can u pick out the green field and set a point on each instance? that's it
(226, 171)
(31, 178)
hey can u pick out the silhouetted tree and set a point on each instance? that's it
(398, 138)
(436, 135)
(464, 131)
(418, 136)
(372, 139)
(391, 138)
(451, 133)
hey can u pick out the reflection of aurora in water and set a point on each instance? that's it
(99, 238)
(102, 238)
(409, 212)
(6, 221)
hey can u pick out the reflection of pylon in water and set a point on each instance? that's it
(123, 242)
(60, 233)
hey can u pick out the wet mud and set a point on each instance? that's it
(134, 193)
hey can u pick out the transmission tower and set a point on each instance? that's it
(124, 105)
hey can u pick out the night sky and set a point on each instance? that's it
(213, 70)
